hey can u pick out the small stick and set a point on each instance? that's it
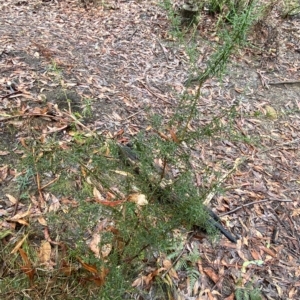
(30, 115)
(223, 177)
(11, 94)
(79, 123)
(154, 94)
(178, 257)
(132, 115)
(163, 49)
(248, 204)
(278, 146)
(49, 183)
(284, 82)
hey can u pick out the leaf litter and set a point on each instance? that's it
(125, 61)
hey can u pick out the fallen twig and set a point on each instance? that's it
(280, 145)
(11, 94)
(251, 203)
(29, 115)
(285, 82)
(164, 51)
(153, 93)
(132, 115)
(49, 183)
(179, 255)
(209, 197)
(79, 123)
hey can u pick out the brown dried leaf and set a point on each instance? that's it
(66, 268)
(20, 215)
(45, 252)
(97, 194)
(169, 266)
(27, 268)
(296, 212)
(138, 282)
(3, 172)
(42, 221)
(211, 274)
(174, 136)
(100, 279)
(88, 267)
(23, 222)
(11, 198)
(271, 112)
(105, 250)
(4, 153)
(94, 244)
(255, 254)
(137, 198)
(55, 204)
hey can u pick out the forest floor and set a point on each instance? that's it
(121, 60)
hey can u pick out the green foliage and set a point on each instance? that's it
(87, 107)
(25, 180)
(248, 293)
(291, 8)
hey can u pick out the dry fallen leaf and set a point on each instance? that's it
(3, 172)
(3, 153)
(20, 215)
(168, 265)
(45, 252)
(66, 268)
(23, 222)
(94, 244)
(27, 268)
(55, 204)
(139, 199)
(11, 198)
(42, 221)
(97, 194)
(99, 280)
(211, 274)
(296, 212)
(19, 244)
(105, 250)
(271, 112)
(88, 267)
